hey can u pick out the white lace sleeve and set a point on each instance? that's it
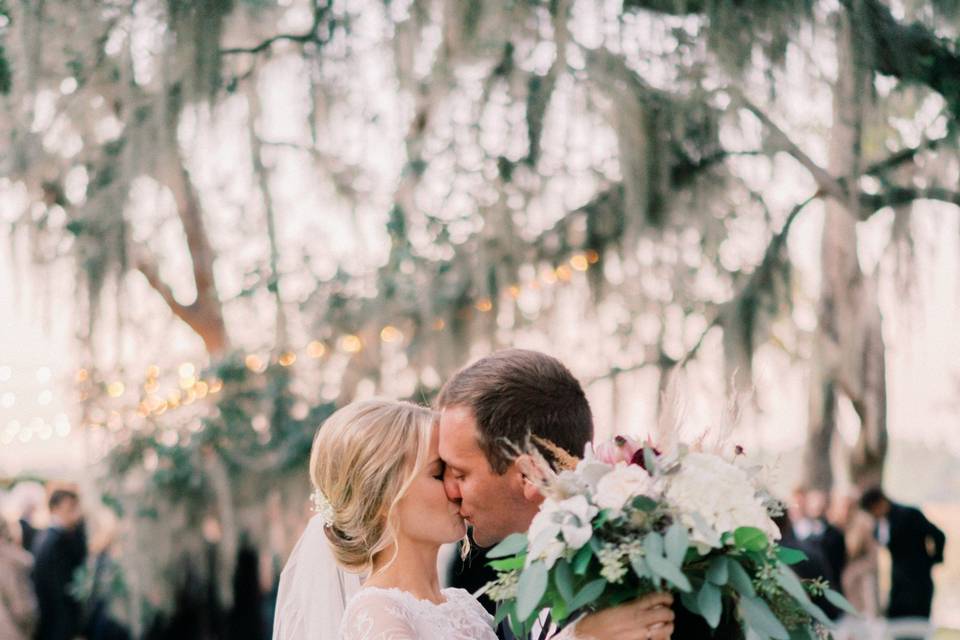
(375, 615)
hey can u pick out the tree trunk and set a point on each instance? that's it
(849, 348)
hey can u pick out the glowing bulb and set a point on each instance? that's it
(580, 262)
(187, 382)
(391, 334)
(44, 374)
(82, 375)
(255, 363)
(439, 324)
(216, 386)
(153, 371)
(351, 344)
(563, 273)
(316, 349)
(286, 359)
(484, 305)
(593, 257)
(115, 389)
(514, 291)
(186, 370)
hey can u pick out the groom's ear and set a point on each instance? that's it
(529, 477)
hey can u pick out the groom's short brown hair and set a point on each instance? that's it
(515, 394)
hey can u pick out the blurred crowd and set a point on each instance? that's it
(55, 584)
(880, 554)
(53, 580)
(60, 578)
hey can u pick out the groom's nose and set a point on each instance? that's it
(451, 487)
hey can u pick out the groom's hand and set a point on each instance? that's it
(647, 618)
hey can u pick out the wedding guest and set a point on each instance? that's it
(915, 545)
(59, 551)
(99, 621)
(28, 498)
(814, 566)
(18, 606)
(825, 535)
(860, 578)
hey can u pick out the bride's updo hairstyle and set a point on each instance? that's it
(364, 458)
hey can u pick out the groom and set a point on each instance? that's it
(506, 398)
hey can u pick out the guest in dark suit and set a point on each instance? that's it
(58, 551)
(915, 545)
(824, 536)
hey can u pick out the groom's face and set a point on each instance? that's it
(494, 505)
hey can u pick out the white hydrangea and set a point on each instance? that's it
(625, 482)
(559, 526)
(708, 490)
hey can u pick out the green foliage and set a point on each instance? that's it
(6, 72)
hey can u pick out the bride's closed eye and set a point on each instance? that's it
(436, 470)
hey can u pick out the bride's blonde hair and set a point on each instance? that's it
(364, 458)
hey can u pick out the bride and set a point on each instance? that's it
(382, 513)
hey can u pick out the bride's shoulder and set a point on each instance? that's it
(464, 598)
(377, 596)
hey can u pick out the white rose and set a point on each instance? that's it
(570, 519)
(709, 491)
(617, 488)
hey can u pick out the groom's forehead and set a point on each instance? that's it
(458, 430)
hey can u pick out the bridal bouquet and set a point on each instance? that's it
(629, 520)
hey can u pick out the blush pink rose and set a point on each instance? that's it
(620, 449)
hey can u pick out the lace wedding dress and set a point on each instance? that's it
(392, 614)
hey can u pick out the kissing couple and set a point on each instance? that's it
(394, 481)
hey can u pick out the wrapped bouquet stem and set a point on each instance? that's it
(629, 520)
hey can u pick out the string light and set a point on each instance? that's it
(192, 387)
(391, 334)
(351, 344)
(580, 262)
(316, 349)
(254, 363)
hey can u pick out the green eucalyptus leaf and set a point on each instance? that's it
(719, 572)
(757, 615)
(740, 579)
(590, 592)
(710, 604)
(836, 599)
(530, 589)
(563, 578)
(511, 545)
(676, 542)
